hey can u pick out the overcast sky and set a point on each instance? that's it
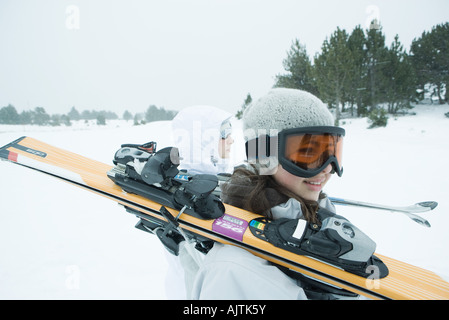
(117, 55)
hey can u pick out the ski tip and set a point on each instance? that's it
(8, 155)
(428, 204)
(422, 222)
(4, 154)
(12, 143)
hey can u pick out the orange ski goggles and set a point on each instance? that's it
(305, 152)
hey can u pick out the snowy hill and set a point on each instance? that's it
(61, 242)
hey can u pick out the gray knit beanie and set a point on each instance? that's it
(283, 109)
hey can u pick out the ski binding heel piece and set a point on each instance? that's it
(130, 152)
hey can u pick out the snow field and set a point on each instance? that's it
(61, 242)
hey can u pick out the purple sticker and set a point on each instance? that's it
(230, 226)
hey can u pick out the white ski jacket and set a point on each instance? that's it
(196, 133)
(229, 272)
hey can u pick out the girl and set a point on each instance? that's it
(203, 136)
(284, 185)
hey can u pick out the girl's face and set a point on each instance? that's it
(224, 147)
(307, 188)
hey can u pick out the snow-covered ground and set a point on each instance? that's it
(61, 242)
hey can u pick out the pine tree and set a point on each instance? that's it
(377, 63)
(399, 78)
(101, 119)
(332, 69)
(299, 68)
(9, 115)
(41, 117)
(74, 114)
(65, 119)
(154, 113)
(245, 104)
(430, 57)
(358, 76)
(127, 115)
(26, 117)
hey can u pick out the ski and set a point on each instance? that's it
(409, 211)
(420, 207)
(165, 204)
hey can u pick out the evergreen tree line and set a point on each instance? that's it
(38, 116)
(359, 74)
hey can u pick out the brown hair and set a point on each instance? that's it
(257, 193)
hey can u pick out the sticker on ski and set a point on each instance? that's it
(230, 226)
(15, 144)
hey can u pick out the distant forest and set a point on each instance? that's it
(356, 73)
(38, 116)
(359, 75)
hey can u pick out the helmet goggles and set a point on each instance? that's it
(307, 151)
(225, 128)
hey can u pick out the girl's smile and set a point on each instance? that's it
(307, 188)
